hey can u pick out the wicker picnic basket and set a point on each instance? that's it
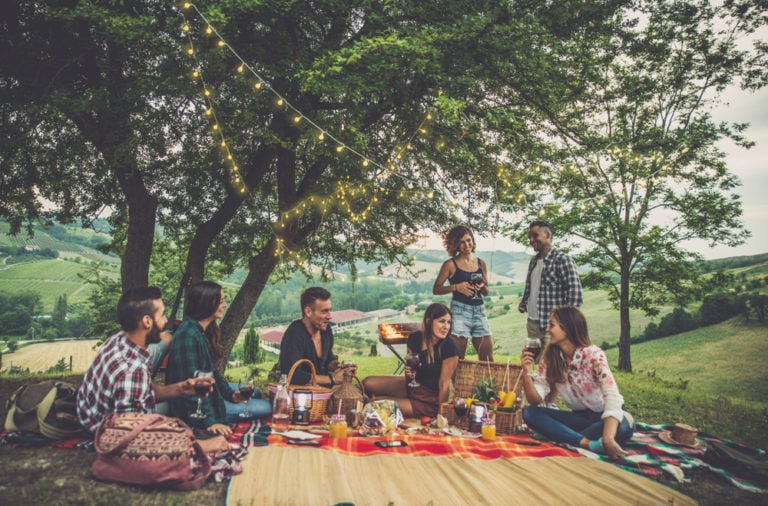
(321, 396)
(468, 375)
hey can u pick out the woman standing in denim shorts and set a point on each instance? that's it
(469, 319)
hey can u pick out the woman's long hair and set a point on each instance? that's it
(433, 312)
(202, 301)
(572, 320)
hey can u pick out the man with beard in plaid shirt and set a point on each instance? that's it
(119, 380)
(552, 281)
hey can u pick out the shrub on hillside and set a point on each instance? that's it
(718, 307)
(676, 322)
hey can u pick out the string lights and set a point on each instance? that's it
(346, 194)
(357, 200)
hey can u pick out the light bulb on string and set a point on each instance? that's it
(209, 29)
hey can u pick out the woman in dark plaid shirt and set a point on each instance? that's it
(196, 345)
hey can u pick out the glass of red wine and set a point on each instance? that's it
(460, 406)
(533, 345)
(201, 390)
(413, 362)
(476, 279)
(246, 389)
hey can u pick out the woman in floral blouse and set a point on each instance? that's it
(577, 370)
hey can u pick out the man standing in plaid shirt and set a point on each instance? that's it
(552, 281)
(119, 380)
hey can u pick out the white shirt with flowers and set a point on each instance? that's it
(590, 384)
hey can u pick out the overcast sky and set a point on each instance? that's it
(748, 165)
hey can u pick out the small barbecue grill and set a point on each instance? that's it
(391, 334)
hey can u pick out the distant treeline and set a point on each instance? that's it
(26, 251)
(733, 262)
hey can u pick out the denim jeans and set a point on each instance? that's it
(572, 426)
(257, 408)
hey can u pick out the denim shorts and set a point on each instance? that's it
(469, 321)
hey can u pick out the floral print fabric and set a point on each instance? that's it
(590, 384)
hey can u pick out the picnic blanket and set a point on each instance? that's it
(278, 474)
(419, 445)
(650, 456)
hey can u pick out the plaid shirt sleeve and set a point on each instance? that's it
(573, 295)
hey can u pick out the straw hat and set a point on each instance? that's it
(682, 435)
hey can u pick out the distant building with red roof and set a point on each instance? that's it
(273, 336)
(343, 319)
(349, 318)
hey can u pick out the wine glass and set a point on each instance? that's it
(476, 279)
(201, 390)
(533, 345)
(246, 389)
(413, 362)
(460, 407)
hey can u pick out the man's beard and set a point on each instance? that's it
(154, 334)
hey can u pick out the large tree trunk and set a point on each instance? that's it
(260, 268)
(625, 362)
(134, 268)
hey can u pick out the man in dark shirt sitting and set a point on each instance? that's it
(311, 338)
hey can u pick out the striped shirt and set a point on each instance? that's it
(560, 285)
(118, 381)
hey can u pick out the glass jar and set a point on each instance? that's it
(337, 427)
(489, 429)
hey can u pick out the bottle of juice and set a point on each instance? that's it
(337, 427)
(489, 429)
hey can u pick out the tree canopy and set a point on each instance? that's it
(644, 173)
(284, 136)
(335, 131)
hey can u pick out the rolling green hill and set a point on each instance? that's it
(54, 277)
(70, 241)
(50, 278)
(722, 359)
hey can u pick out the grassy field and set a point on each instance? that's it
(66, 249)
(50, 278)
(719, 359)
(41, 356)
